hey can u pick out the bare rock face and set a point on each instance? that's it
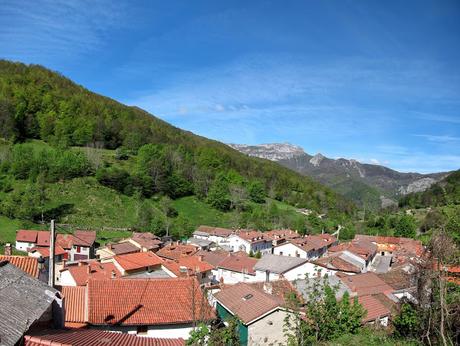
(316, 160)
(273, 151)
(417, 186)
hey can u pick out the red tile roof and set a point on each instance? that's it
(43, 238)
(247, 302)
(94, 337)
(45, 251)
(25, 263)
(175, 251)
(148, 240)
(365, 284)
(64, 240)
(74, 303)
(86, 270)
(213, 257)
(364, 249)
(84, 238)
(193, 264)
(239, 264)
(278, 234)
(334, 262)
(138, 260)
(252, 236)
(375, 309)
(123, 248)
(216, 231)
(146, 302)
(28, 236)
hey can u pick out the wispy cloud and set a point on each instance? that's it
(439, 138)
(44, 30)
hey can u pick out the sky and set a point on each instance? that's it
(377, 81)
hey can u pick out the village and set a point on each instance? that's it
(147, 290)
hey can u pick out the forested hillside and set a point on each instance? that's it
(58, 136)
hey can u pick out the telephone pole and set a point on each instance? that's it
(51, 258)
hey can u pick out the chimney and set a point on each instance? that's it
(8, 249)
(113, 274)
(200, 258)
(268, 288)
(88, 269)
(109, 246)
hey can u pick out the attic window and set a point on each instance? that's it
(247, 296)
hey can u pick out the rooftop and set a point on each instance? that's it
(24, 299)
(123, 248)
(147, 240)
(240, 264)
(27, 264)
(278, 264)
(138, 260)
(374, 307)
(93, 337)
(85, 270)
(192, 265)
(247, 302)
(365, 284)
(215, 231)
(175, 251)
(145, 302)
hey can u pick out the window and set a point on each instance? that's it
(281, 253)
(142, 330)
(78, 249)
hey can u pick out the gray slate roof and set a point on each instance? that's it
(278, 264)
(24, 300)
(200, 242)
(305, 286)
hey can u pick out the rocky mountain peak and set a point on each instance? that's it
(270, 151)
(316, 160)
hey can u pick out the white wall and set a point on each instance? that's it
(67, 279)
(289, 249)
(239, 244)
(231, 277)
(167, 332)
(268, 330)
(23, 246)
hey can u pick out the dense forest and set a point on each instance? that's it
(54, 130)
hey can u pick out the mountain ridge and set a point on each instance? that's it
(380, 186)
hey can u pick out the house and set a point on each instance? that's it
(342, 261)
(236, 268)
(309, 247)
(280, 236)
(111, 250)
(83, 245)
(27, 239)
(272, 268)
(217, 235)
(137, 262)
(364, 249)
(146, 241)
(27, 304)
(161, 308)
(261, 316)
(250, 242)
(377, 310)
(79, 245)
(202, 244)
(190, 266)
(78, 274)
(401, 249)
(367, 283)
(94, 337)
(176, 250)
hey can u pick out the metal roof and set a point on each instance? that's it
(278, 264)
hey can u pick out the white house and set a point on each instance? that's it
(309, 247)
(272, 268)
(234, 269)
(214, 234)
(260, 314)
(250, 241)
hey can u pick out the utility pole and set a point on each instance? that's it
(51, 258)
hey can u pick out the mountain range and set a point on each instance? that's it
(369, 185)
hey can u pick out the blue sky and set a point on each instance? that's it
(378, 81)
